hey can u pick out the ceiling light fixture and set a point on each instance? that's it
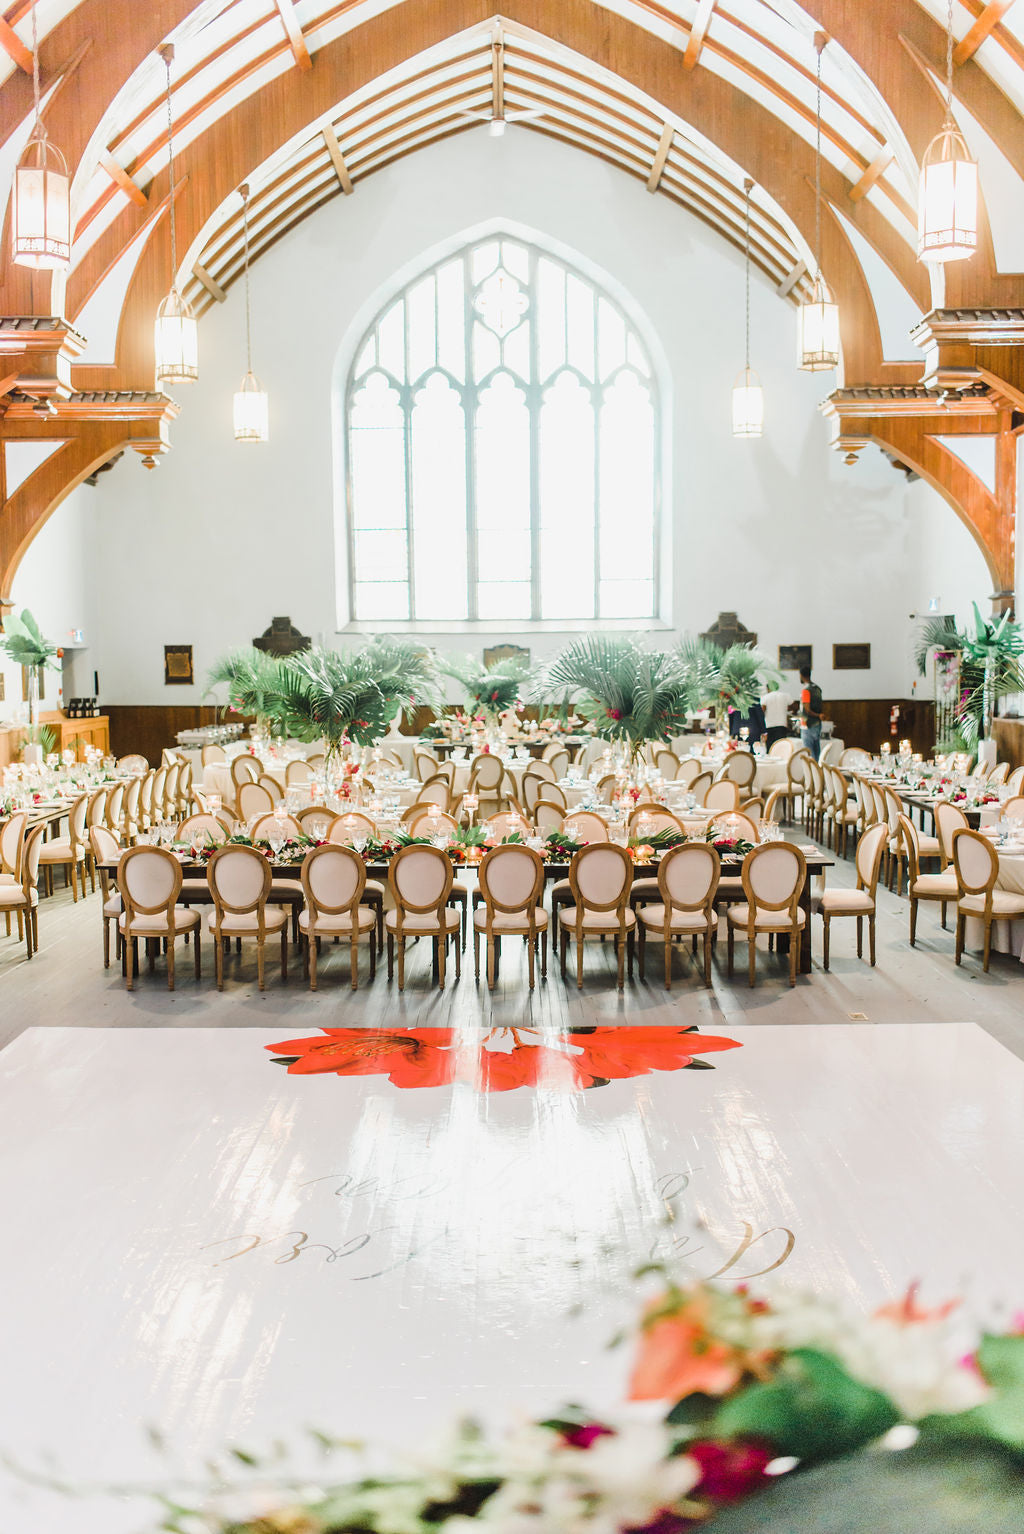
(251, 412)
(175, 333)
(818, 327)
(41, 193)
(747, 394)
(947, 198)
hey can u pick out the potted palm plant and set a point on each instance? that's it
(629, 694)
(730, 678)
(254, 683)
(24, 643)
(991, 666)
(490, 690)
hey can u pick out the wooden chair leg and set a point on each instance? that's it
(476, 953)
(794, 954)
(860, 937)
(871, 938)
(579, 962)
(544, 954)
(531, 963)
(824, 942)
(312, 954)
(28, 932)
(129, 953)
(401, 962)
(354, 963)
(913, 920)
(491, 945)
(960, 920)
(752, 957)
(707, 956)
(988, 944)
(732, 941)
(170, 964)
(284, 952)
(391, 956)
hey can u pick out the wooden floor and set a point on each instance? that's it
(65, 985)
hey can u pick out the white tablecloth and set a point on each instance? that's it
(1007, 936)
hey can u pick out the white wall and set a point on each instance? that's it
(223, 536)
(55, 581)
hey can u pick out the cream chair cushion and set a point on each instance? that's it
(936, 884)
(184, 921)
(245, 923)
(767, 921)
(682, 921)
(846, 902)
(510, 921)
(340, 925)
(1003, 904)
(595, 921)
(419, 922)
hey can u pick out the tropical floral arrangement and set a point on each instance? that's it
(766, 1411)
(490, 690)
(991, 660)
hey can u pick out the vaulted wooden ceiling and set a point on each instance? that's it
(304, 99)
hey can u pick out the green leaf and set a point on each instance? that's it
(811, 1409)
(1001, 1418)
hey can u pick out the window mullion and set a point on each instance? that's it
(470, 400)
(533, 406)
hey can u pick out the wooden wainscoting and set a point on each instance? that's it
(858, 721)
(1009, 738)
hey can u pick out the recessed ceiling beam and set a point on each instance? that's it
(879, 165)
(296, 41)
(335, 152)
(15, 49)
(213, 288)
(660, 156)
(791, 279)
(989, 19)
(118, 174)
(698, 32)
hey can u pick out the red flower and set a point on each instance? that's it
(614, 713)
(583, 1436)
(730, 1471)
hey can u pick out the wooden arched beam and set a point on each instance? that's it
(226, 154)
(91, 443)
(988, 516)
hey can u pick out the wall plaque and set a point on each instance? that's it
(500, 652)
(281, 638)
(851, 657)
(178, 665)
(794, 657)
(728, 630)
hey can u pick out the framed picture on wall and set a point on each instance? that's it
(794, 657)
(851, 657)
(1, 687)
(500, 652)
(178, 665)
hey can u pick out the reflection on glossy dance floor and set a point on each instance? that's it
(199, 1238)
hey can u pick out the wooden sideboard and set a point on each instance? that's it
(1008, 735)
(71, 735)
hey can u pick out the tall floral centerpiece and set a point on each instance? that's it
(629, 694)
(732, 678)
(23, 641)
(991, 665)
(255, 684)
(490, 690)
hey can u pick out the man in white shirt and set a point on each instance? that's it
(776, 705)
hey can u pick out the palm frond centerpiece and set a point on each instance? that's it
(628, 693)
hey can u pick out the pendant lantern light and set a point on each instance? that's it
(818, 332)
(251, 413)
(41, 194)
(947, 198)
(747, 394)
(175, 334)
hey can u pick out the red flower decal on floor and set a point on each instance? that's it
(501, 1060)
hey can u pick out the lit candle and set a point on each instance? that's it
(885, 748)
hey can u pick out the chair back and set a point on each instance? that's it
(543, 769)
(752, 808)
(315, 821)
(429, 819)
(317, 761)
(600, 876)
(782, 749)
(239, 879)
(420, 880)
(551, 794)
(131, 801)
(104, 845)
(273, 786)
(911, 847)
(96, 814)
(831, 751)
(659, 817)
(205, 827)
(688, 769)
(149, 879)
(212, 754)
(815, 779)
(159, 780)
(184, 788)
(856, 757)
(1015, 782)
(512, 880)
(667, 763)
(699, 786)
(424, 763)
(773, 877)
(146, 796)
(547, 816)
(949, 818)
(253, 800)
(115, 799)
(893, 808)
(771, 805)
(733, 826)
(30, 860)
(444, 770)
(333, 881)
(999, 774)
(437, 790)
(245, 769)
(607, 788)
(533, 783)
(585, 826)
(723, 795)
(868, 857)
(796, 766)
(298, 772)
(12, 842)
(287, 825)
(1013, 809)
(739, 767)
(343, 828)
(133, 762)
(76, 822)
(558, 760)
(688, 877)
(976, 863)
(170, 791)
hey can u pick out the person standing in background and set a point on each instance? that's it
(810, 713)
(752, 722)
(776, 705)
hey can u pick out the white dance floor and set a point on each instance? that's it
(198, 1240)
